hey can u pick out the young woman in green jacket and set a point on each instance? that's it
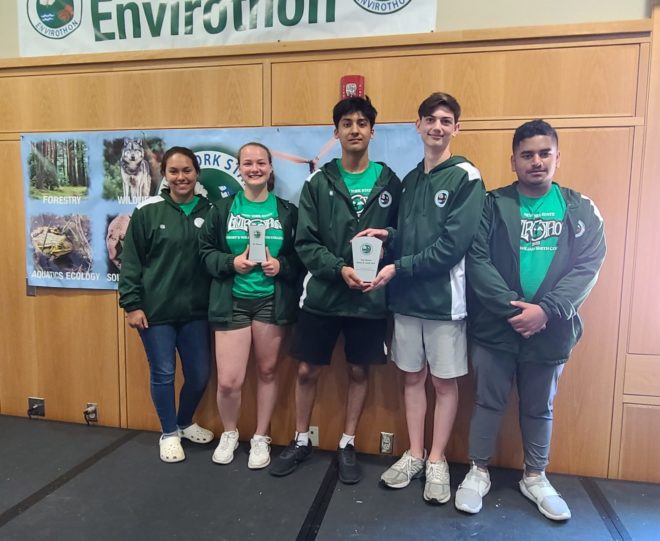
(163, 287)
(251, 300)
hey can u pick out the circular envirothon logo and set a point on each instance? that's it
(54, 19)
(385, 199)
(219, 176)
(382, 7)
(440, 198)
(366, 249)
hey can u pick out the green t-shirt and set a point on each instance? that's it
(541, 221)
(360, 184)
(188, 207)
(255, 284)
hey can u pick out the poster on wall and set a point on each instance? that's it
(81, 188)
(55, 27)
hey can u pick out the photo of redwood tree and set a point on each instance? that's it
(58, 168)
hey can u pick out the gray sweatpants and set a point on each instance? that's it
(494, 372)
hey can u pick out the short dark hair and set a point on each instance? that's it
(178, 150)
(532, 129)
(271, 180)
(352, 105)
(439, 99)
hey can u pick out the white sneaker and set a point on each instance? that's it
(549, 502)
(404, 470)
(472, 490)
(224, 452)
(259, 452)
(436, 487)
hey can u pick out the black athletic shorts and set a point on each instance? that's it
(315, 336)
(245, 311)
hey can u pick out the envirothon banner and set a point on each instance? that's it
(55, 27)
(81, 188)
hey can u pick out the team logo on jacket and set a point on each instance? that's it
(199, 222)
(440, 198)
(580, 229)
(385, 199)
(54, 19)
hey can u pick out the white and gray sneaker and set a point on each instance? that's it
(224, 452)
(404, 470)
(471, 491)
(436, 488)
(259, 452)
(549, 502)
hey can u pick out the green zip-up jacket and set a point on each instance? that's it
(493, 271)
(438, 218)
(161, 272)
(219, 261)
(326, 225)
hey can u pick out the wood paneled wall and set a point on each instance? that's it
(637, 395)
(73, 347)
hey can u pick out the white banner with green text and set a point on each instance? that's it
(56, 27)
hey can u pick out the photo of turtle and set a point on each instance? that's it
(61, 243)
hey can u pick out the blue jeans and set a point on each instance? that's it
(191, 340)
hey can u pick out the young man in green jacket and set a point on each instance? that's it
(439, 214)
(534, 261)
(343, 197)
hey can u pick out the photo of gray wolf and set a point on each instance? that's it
(135, 171)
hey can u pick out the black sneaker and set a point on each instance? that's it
(348, 468)
(292, 455)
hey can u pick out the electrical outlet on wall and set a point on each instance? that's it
(36, 407)
(314, 435)
(386, 443)
(91, 413)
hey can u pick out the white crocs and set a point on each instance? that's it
(196, 434)
(170, 449)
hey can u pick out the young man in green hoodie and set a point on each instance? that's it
(439, 213)
(343, 197)
(534, 261)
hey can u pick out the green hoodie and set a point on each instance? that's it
(161, 272)
(326, 225)
(438, 218)
(219, 262)
(493, 271)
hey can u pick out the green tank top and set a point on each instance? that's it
(255, 284)
(360, 184)
(542, 222)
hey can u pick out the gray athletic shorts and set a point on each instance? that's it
(441, 344)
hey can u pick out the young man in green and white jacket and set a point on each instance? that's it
(439, 214)
(343, 197)
(534, 261)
